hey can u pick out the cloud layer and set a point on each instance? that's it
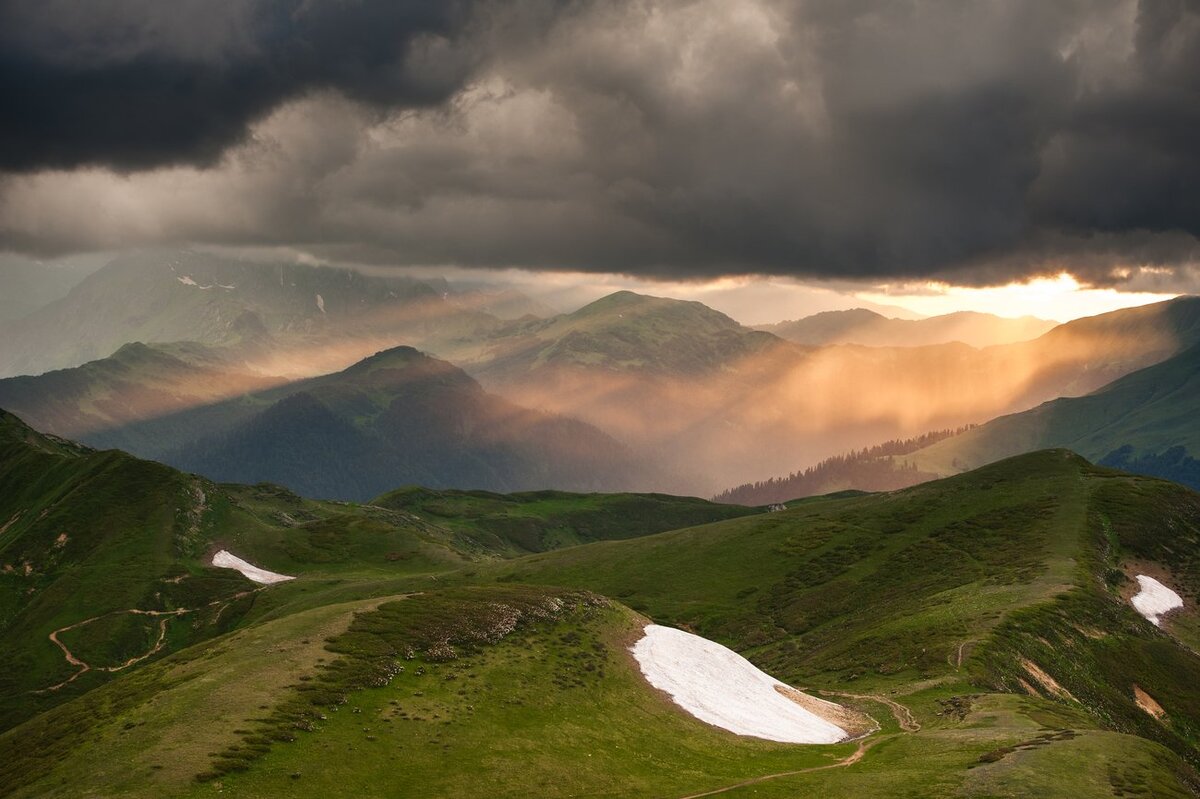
(977, 142)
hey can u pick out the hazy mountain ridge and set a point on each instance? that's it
(726, 404)
(1151, 411)
(397, 417)
(30, 285)
(104, 400)
(871, 329)
(181, 295)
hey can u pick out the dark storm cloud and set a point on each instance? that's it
(973, 141)
(135, 85)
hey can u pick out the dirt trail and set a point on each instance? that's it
(853, 758)
(164, 616)
(903, 716)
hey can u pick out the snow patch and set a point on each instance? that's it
(321, 303)
(720, 687)
(1155, 599)
(226, 560)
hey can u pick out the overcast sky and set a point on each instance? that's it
(975, 143)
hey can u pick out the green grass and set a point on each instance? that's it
(538, 521)
(414, 656)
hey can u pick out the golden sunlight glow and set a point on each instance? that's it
(1060, 298)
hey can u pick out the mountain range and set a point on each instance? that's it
(394, 418)
(320, 318)
(699, 400)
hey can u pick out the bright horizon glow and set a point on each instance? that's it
(1060, 298)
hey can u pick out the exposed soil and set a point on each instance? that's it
(1147, 703)
(854, 723)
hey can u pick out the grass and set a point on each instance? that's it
(539, 521)
(991, 606)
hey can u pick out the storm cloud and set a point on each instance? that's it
(976, 142)
(136, 84)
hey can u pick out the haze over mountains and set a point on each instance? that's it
(700, 400)
(332, 316)
(860, 326)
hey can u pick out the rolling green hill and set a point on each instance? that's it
(86, 535)
(537, 521)
(983, 620)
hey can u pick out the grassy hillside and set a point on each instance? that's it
(983, 620)
(1011, 578)
(87, 536)
(537, 521)
(1149, 412)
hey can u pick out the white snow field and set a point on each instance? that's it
(1154, 599)
(227, 560)
(720, 687)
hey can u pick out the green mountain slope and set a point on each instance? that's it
(537, 521)
(1148, 412)
(983, 620)
(87, 535)
(860, 326)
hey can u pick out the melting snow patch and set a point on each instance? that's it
(227, 560)
(1154, 599)
(720, 687)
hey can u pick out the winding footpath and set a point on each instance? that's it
(902, 714)
(163, 616)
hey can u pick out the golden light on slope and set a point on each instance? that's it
(1060, 298)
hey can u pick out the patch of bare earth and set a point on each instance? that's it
(1048, 683)
(854, 723)
(1147, 703)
